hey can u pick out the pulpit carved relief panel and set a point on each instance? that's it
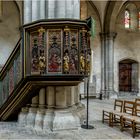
(58, 50)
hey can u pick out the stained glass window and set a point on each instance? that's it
(127, 19)
(139, 20)
(0, 8)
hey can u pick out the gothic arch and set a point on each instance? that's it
(128, 58)
(112, 10)
(93, 4)
(19, 7)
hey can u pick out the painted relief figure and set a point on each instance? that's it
(35, 47)
(38, 62)
(34, 61)
(88, 62)
(73, 66)
(66, 62)
(82, 62)
(54, 65)
(41, 37)
(42, 62)
(54, 51)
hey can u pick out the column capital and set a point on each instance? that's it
(108, 35)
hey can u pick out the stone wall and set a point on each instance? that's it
(127, 46)
(9, 29)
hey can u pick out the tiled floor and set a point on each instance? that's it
(10, 130)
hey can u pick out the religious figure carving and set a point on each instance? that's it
(88, 62)
(42, 64)
(55, 61)
(41, 37)
(82, 62)
(66, 62)
(35, 63)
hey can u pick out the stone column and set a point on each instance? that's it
(107, 64)
(61, 99)
(70, 96)
(60, 9)
(111, 37)
(27, 11)
(42, 9)
(76, 93)
(51, 8)
(69, 8)
(35, 10)
(65, 116)
(102, 37)
(76, 9)
(50, 104)
(35, 101)
(42, 98)
(50, 96)
(41, 110)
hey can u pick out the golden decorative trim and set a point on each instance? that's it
(41, 30)
(66, 29)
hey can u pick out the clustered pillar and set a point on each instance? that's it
(53, 108)
(107, 66)
(50, 9)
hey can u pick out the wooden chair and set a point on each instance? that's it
(108, 114)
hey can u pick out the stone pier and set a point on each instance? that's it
(54, 108)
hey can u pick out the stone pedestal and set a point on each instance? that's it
(48, 120)
(64, 119)
(22, 117)
(32, 112)
(65, 112)
(31, 117)
(39, 119)
(57, 109)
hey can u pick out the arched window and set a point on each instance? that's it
(139, 20)
(127, 19)
(0, 8)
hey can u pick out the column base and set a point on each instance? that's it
(48, 120)
(54, 119)
(22, 117)
(30, 119)
(108, 94)
(65, 119)
(39, 119)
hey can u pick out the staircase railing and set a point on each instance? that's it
(11, 73)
